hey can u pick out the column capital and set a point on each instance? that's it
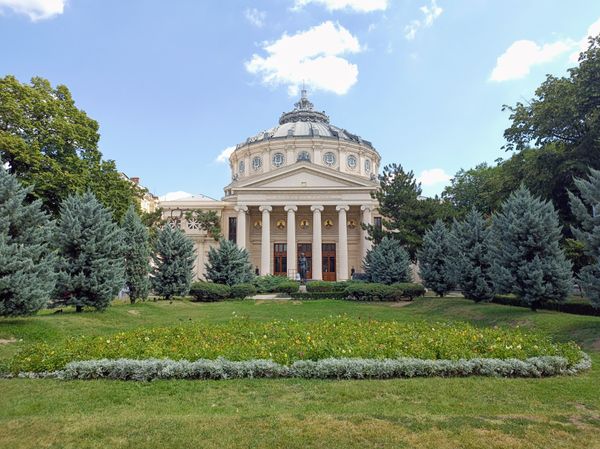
(265, 208)
(241, 208)
(290, 208)
(343, 207)
(366, 208)
(317, 208)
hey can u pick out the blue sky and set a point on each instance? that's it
(174, 84)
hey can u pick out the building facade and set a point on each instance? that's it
(302, 187)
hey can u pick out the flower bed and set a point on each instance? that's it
(287, 342)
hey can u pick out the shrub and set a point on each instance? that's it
(412, 291)
(575, 307)
(388, 263)
(324, 286)
(243, 290)
(319, 295)
(209, 291)
(228, 264)
(268, 283)
(288, 287)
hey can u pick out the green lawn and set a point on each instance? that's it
(293, 413)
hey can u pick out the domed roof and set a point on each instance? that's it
(304, 121)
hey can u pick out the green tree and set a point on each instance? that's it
(436, 259)
(52, 146)
(587, 211)
(406, 213)
(137, 255)
(27, 263)
(90, 246)
(387, 263)
(472, 259)
(174, 258)
(228, 264)
(526, 256)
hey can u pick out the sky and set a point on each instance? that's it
(176, 85)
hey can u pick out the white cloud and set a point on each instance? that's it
(592, 31)
(224, 156)
(433, 177)
(354, 5)
(174, 196)
(517, 60)
(34, 9)
(430, 12)
(255, 17)
(312, 56)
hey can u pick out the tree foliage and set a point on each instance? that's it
(387, 263)
(137, 255)
(228, 264)
(27, 263)
(208, 221)
(174, 258)
(526, 257)
(436, 259)
(90, 247)
(52, 146)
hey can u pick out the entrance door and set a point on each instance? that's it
(280, 259)
(305, 248)
(328, 261)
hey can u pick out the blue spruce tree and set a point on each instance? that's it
(137, 255)
(436, 263)
(27, 263)
(525, 253)
(173, 263)
(228, 264)
(587, 211)
(387, 263)
(90, 247)
(472, 259)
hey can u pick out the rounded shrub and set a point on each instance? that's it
(243, 290)
(268, 283)
(325, 286)
(288, 287)
(209, 291)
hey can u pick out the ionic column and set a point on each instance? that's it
(242, 210)
(366, 244)
(291, 239)
(317, 243)
(342, 255)
(265, 244)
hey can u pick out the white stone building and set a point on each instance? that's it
(303, 186)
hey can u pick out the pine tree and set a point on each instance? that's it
(436, 259)
(387, 263)
(472, 260)
(137, 255)
(228, 264)
(90, 247)
(173, 263)
(525, 253)
(589, 232)
(27, 264)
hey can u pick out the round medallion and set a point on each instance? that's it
(280, 224)
(351, 161)
(329, 158)
(278, 159)
(328, 224)
(367, 165)
(256, 163)
(241, 167)
(304, 224)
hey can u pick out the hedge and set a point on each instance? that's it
(578, 308)
(209, 291)
(318, 295)
(268, 283)
(379, 292)
(324, 286)
(288, 287)
(242, 291)
(332, 368)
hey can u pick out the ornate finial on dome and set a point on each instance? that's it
(303, 111)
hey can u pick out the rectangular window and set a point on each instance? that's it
(378, 224)
(233, 229)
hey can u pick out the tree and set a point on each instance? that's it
(526, 256)
(587, 211)
(436, 264)
(472, 259)
(90, 247)
(387, 263)
(173, 263)
(228, 264)
(26, 261)
(406, 213)
(137, 255)
(52, 146)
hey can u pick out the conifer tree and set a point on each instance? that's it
(387, 263)
(137, 255)
(472, 260)
(436, 259)
(228, 264)
(525, 253)
(90, 248)
(27, 263)
(587, 212)
(173, 263)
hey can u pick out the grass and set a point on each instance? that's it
(562, 412)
